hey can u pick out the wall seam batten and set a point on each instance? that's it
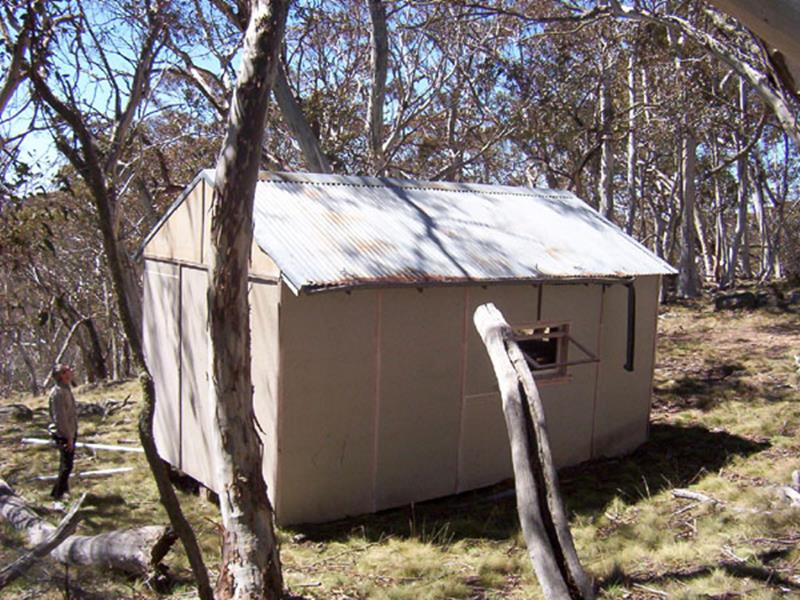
(180, 367)
(597, 366)
(377, 401)
(279, 411)
(462, 403)
(203, 222)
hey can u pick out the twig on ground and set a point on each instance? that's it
(690, 495)
(87, 474)
(650, 590)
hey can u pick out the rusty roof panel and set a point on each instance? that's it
(329, 231)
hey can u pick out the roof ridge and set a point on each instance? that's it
(420, 186)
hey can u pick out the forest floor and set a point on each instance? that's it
(725, 423)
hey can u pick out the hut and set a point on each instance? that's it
(371, 386)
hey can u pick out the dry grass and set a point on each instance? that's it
(725, 422)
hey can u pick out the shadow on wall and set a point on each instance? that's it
(673, 457)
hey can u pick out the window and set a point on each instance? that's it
(545, 348)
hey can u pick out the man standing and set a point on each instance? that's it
(64, 427)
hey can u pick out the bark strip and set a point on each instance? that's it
(251, 563)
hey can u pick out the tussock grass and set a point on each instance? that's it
(725, 422)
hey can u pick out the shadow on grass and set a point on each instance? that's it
(744, 570)
(105, 506)
(704, 389)
(673, 457)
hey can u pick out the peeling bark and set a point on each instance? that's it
(251, 563)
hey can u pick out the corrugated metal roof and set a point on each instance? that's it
(329, 231)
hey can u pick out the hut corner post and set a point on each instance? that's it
(539, 504)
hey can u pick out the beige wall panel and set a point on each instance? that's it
(569, 404)
(623, 403)
(196, 414)
(180, 237)
(261, 265)
(327, 411)
(264, 302)
(518, 303)
(162, 352)
(208, 193)
(485, 453)
(420, 394)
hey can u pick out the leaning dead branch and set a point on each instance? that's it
(539, 504)
(65, 528)
(134, 551)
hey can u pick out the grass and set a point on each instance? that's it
(725, 422)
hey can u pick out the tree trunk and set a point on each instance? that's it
(631, 166)
(26, 359)
(134, 551)
(739, 246)
(742, 218)
(720, 226)
(687, 272)
(539, 504)
(315, 159)
(606, 109)
(760, 80)
(708, 269)
(765, 240)
(379, 62)
(251, 564)
(89, 163)
(95, 351)
(776, 21)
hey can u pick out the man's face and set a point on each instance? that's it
(65, 376)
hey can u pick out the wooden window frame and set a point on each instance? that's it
(558, 369)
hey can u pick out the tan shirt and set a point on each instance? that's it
(62, 412)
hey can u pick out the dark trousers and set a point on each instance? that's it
(64, 467)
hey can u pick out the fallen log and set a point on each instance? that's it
(65, 529)
(16, 411)
(134, 551)
(792, 495)
(89, 445)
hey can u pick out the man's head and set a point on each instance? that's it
(63, 374)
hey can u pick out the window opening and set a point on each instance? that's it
(540, 344)
(546, 349)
